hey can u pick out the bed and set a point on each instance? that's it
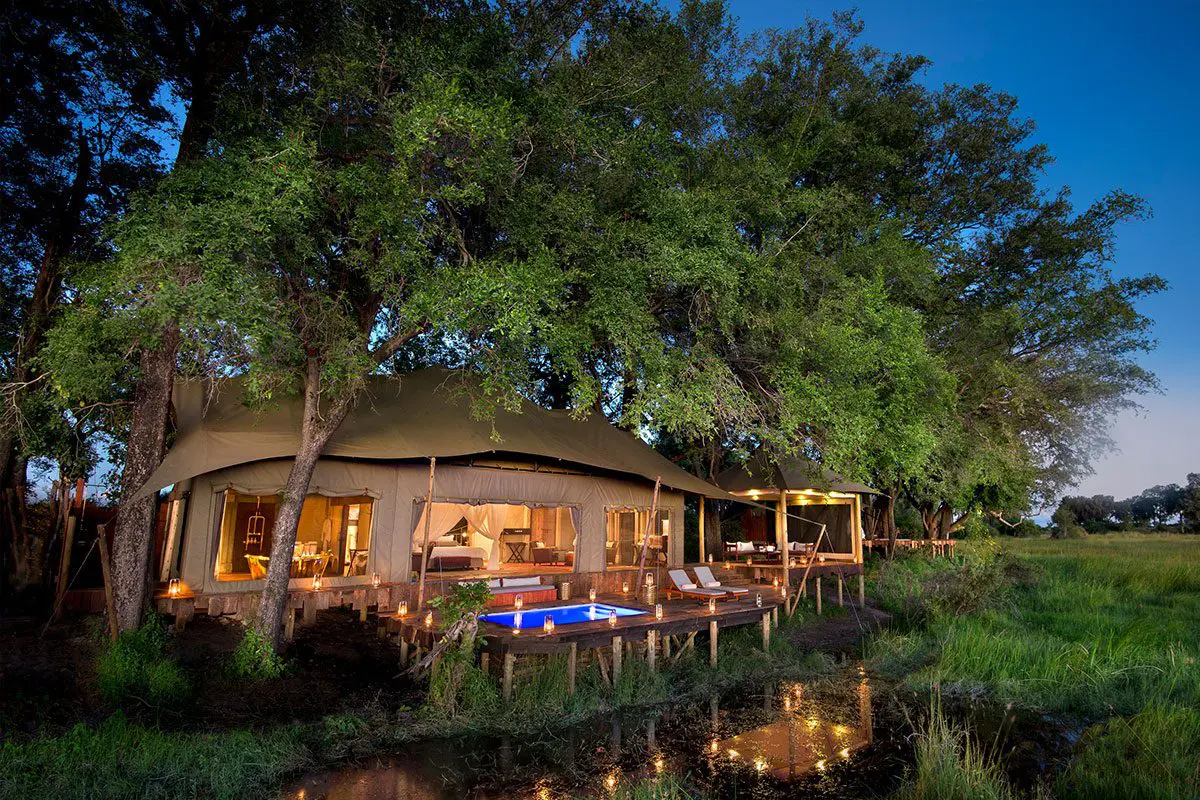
(443, 557)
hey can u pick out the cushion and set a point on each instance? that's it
(533, 580)
(712, 584)
(494, 583)
(446, 541)
(769, 548)
(745, 547)
(687, 586)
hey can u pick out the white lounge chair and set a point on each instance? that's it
(707, 581)
(682, 587)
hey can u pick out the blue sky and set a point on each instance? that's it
(1115, 91)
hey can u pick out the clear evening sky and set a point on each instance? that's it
(1115, 91)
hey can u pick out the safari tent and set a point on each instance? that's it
(811, 496)
(533, 491)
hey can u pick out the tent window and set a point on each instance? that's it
(623, 538)
(495, 537)
(333, 538)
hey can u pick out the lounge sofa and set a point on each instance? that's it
(532, 590)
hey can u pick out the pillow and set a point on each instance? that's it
(712, 585)
(745, 547)
(531, 581)
(446, 541)
(687, 587)
(769, 548)
(494, 583)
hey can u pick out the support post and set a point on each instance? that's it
(862, 590)
(766, 630)
(106, 570)
(506, 690)
(775, 616)
(818, 594)
(637, 584)
(703, 557)
(841, 601)
(617, 653)
(712, 643)
(310, 609)
(572, 662)
(425, 544)
(403, 648)
(652, 649)
(781, 536)
(666, 647)
(485, 662)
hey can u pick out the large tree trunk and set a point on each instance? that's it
(133, 535)
(315, 431)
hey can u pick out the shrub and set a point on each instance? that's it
(255, 659)
(138, 668)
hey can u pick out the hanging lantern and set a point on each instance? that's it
(658, 611)
(612, 619)
(375, 580)
(402, 611)
(316, 583)
(428, 619)
(519, 602)
(592, 594)
(548, 624)
(173, 587)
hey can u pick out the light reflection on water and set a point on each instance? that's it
(790, 733)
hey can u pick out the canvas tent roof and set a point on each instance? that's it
(761, 472)
(415, 416)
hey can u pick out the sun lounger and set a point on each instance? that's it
(682, 586)
(706, 580)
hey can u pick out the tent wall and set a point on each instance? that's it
(395, 488)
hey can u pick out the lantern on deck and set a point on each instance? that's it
(612, 619)
(548, 624)
(375, 580)
(758, 600)
(712, 605)
(625, 587)
(428, 619)
(173, 587)
(402, 611)
(316, 583)
(592, 594)
(658, 611)
(519, 602)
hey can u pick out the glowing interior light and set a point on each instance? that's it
(403, 610)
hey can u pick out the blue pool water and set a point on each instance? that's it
(562, 615)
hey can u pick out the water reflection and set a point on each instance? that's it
(805, 739)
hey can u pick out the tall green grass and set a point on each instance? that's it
(950, 765)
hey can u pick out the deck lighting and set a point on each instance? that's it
(375, 580)
(592, 594)
(712, 605)
(710, 558)
(316, 584)
(821, 559)
(612, 619)
(548, 624)
(517, 622)
(658, 611)
(625, 587)
(777, 583)
(429, 619)
(519, 602)
(402, 611)
(173, 587)
(844, 752)
(649, 578)
(713, 747)
(821, 765)
(758, 600)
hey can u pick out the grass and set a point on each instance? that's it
(1102, 629)
(138, 669)
(950, 765)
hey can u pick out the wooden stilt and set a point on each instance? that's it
(617, 652)
(289, 624)
(804, 588)
(651, 649)
(712, 643)
(310, 609)
(572, 659)
(818, 594)
(775, 616)
(404, 651)
(841, 601)
(362, 613)
(862, 590)
(666, 647)
(766, 628)
(106, 571)
(506, 690)
(485, 662)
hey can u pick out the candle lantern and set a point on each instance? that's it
(548, 624)
(758, 600)
(519, 602)
(428, 619)
(375, 580)
(658, 611)
(173, 587)
(612, 619)
(316, 583)
(712, 605)
(777, 583)
(403, 609)
(649, 578)
(592, 594)
(710, 558)
(625, 587)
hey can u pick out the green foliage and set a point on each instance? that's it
(138, 669)
(950, 765)
(119, 760)
(255, 659)
(1150, 756)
